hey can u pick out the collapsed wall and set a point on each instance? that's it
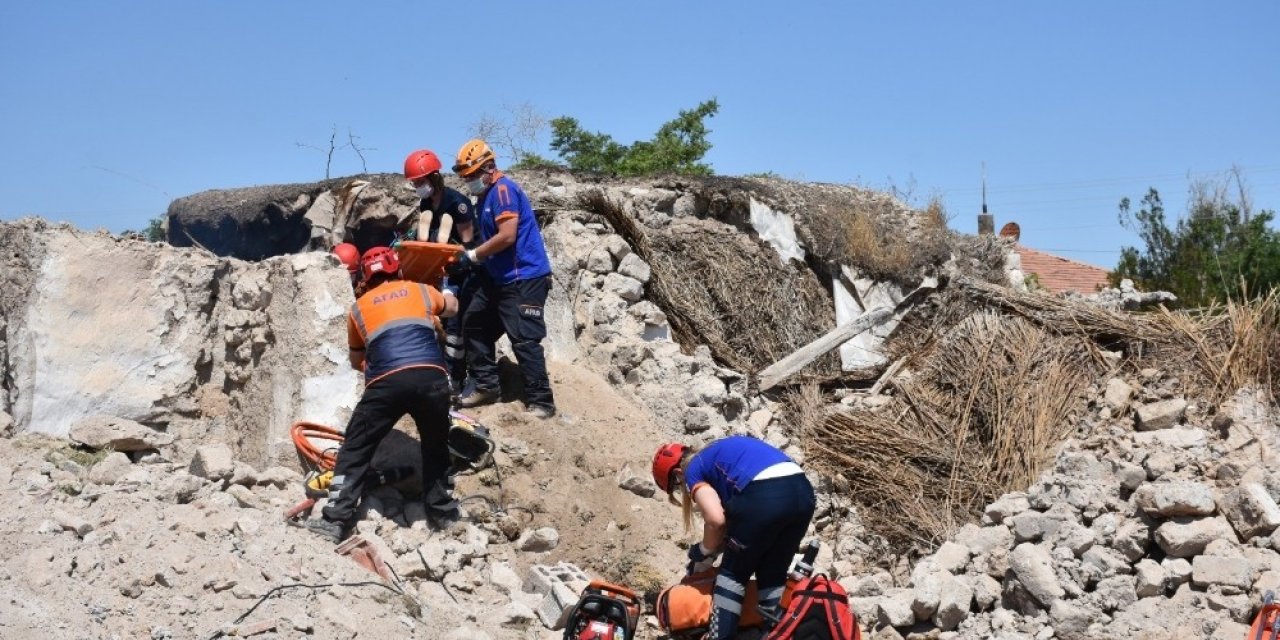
(176, 339)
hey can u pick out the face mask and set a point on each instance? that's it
(424, 191)
(476, 186)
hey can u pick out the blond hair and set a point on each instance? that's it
(686, 498)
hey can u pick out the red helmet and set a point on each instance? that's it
(420, 164)
(349, 255)
(665, 461)
(379, 260)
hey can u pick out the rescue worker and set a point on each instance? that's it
(422, 170)
(756, 505)
(513, 277)
(392, 338)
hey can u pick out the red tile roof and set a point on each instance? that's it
(1058, 274)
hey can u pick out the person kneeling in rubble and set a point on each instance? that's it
(756, 505)
(391, 331)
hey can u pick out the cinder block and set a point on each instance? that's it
(560, 599)
(543, 578)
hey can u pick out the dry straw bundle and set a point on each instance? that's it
(724, 289)
(986, 412)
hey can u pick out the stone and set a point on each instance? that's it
(639, 484)
(1077, 538)
(1009, 505)
(982, 540)
(212, 462)
(516, 614)
(1106, 561)
(1229, 630)
(1033, 567)
(117, 434)
(986, 591)
(1131, 475)
(1179, 438)
(955, 598)
(1072, 619)
(243, 474)
(538, 540)
(73, 523)
(111, 469)
(1118, 394)
(1177, 571)
(633, 266)
(1171, 499)
(951, 557)
(617, 246)
(1033, 526)
(1251, 511)
(1216, 570)
(1116, 593)
(1150, 578)
(180, 487)
(504, 578)
(896, 607)
(243, 495)
(628, 289)
(928, 591)
(279, 477)
(1160, 415)
(599, 261)
(1187, 537)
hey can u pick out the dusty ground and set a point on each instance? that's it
(127, 560)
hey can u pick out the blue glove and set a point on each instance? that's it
(700, 559)
(462, 265)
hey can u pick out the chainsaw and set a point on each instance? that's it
(604, 612)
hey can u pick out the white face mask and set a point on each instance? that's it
(476, 186)
(424, 191)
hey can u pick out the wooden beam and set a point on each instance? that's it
(782, 369)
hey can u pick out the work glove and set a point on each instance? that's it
(700, 559)
(460, 267)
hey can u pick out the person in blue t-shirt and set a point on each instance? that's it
(756, 505)
(422, 170)
(513, 277)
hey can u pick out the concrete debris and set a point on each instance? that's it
(116, 434)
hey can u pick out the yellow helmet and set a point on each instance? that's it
(472, 156)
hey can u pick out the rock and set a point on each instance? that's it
(928, 591)
(617, 246)
(1131, 475)
(1033, 567)
(599, 261)
(1171, 499)
(1107, 562)
(1215, 570)
(1180, 438)
(951, 557)
(504, 578)
(1009, 505)
(117, 434)
(895, 607)
(538, 540)
(73, 523)
(986, 590)
(1116, 592)
(1132, 539)
(641, 485)
(243, 474)
(1229, 630)
(955, 597)
(1150, 578)
(212, 462)
(243, 495)
(1177, 571)
(982, 540)
(628, 289)
(111, 469)
(1033, 526)
(1118, 394)
(633, 266)
(1187, 537)
(180, 487)
(1072, 619)
(1077, 538)
(1160, 415)
(516, 614)
(279, 477)
(1251, 511)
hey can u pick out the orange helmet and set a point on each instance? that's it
(420, 164)
(665, 461)
(349, 255)
(472, 156)
(379, 260)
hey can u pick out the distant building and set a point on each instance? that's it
(1055, 273)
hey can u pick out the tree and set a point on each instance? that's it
(1219, 250)
(678, 146)
(515, 132)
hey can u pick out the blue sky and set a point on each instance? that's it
(110, 110)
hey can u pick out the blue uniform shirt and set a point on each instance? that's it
(729, 464)
(527, 258)
(453, 203)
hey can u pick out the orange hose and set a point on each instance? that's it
(302, 432)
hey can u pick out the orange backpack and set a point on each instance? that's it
(684, 610)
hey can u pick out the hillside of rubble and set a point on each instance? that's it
(991, 462)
